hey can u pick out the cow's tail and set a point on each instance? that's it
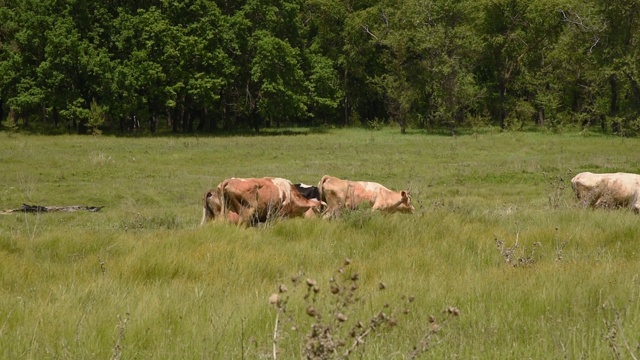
(321, 187)
(223, 200)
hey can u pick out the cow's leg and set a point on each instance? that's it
(309, 213)
(234, 211)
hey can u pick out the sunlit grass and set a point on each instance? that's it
(140, 279)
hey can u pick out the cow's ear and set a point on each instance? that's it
(404, 194)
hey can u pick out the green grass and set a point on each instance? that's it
(140, 279)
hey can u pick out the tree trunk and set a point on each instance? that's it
(540, 115)
(501, 104)
(255, 120)
(203, 119)
(56, 116)
(25, 118)
(153, 123)
(213, 124)
(613, 106)
(346, 98)
(43, 108)
(635, 92)
(174, 120)
(153, 120)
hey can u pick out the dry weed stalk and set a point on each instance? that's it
(557, 186)
(510, 253)
(429, 340)
(335, 332)
(122, 326)
(103, 268)
(615, 330)
(559, 246)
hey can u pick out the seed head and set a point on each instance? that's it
(341, 317)
(311, 282)
(453, 311)
(311, 311)
(274, 299)
(282, 288)
(382, 286)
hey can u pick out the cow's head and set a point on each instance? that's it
(211, 207)
(405, 203)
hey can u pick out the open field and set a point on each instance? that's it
(141, 280)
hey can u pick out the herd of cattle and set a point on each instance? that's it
(255, 200)
(252, 201)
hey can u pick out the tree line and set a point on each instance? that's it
(226, 65)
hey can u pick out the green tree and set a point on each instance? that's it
(23, 25)
(279, 78)
(569, 80)
(618, 57)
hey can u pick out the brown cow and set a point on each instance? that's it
(340, 194)
(253, 200)
(608, 190)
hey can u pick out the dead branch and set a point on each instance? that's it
(366, 29)
(25, 208)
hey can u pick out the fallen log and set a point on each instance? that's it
(40, 209)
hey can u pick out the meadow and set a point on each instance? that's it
(498, 261)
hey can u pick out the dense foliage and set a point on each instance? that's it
(212, 65)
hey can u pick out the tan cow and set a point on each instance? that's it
(339, 194)
(608, 190)
(253, 200)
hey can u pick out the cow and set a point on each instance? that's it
(339, 194)
(607, 190)
(254, 200)
(309, 192)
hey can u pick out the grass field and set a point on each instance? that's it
(497, 239)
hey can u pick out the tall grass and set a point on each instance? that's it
(140, 279)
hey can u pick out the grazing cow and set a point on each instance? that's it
(609, 190)
(309, 192)
(340, 194)
(253, 200)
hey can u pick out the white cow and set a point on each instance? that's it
(609, 190)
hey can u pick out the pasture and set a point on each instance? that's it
(141, 280)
